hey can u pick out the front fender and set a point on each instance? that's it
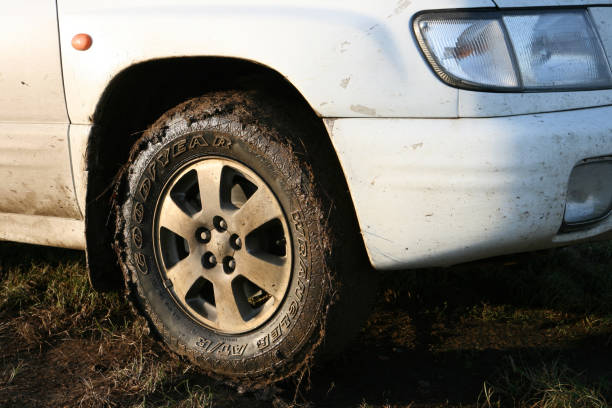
(347, 58)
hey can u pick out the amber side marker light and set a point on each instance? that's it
(81, 42)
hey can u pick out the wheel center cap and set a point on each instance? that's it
(220, 244)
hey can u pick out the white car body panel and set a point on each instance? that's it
(428, 189)
(37, 197)
(473, 104)
(348, 59)
(42, 230)
(431, 192)
(34, 149)
(35, 171)
(31, 88)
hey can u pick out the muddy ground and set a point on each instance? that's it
(532, 330)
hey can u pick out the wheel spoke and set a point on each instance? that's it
(209, 182)
(260, 208)
(175, 219)
(266, 271)
(184, 274)
(228, 315)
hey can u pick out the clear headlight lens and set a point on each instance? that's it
(515, 51)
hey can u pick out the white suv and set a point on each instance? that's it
(234, 164)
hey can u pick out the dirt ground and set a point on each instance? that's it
(532, 330)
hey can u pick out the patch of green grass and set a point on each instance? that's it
(46, 302)
(46, 298)
(9, 374)
(54, 296)
(492, 313)
(551, 385)
(195, 396)
(146, 380)
(559, 295)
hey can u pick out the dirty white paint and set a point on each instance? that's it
(315, 44)
(487, 104)
(34, 229)
(432, 192)
(30, 71)
(36, 188)
(35, 170)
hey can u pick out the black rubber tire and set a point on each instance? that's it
(239, 126)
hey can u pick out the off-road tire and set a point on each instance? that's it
(239, 126)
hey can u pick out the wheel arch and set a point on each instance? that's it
(141, 93)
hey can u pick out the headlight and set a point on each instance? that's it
(514, 51)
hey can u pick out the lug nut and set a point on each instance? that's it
(220, 223)
(209, 260)
(229, 264)
(203, 235)
(235, 242)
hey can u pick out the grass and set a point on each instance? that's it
(50, 316)
(11, 372)
(53, 298)
(530, 330)
(551, 385)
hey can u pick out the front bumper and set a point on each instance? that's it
(435, 192)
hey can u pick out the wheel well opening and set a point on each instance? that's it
(136, 98)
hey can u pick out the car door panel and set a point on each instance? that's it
(35, 171)
(31, 89)
(34, 148)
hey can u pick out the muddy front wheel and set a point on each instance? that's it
(224, 241)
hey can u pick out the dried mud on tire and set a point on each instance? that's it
(234, 125)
